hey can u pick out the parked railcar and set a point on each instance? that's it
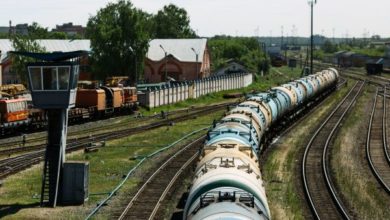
(13, 113)
(90, 104)
(228, 182)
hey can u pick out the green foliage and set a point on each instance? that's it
(244, 50)
(375, 51)
(329, 47)
(318, 54)
(36, 31)
(23, 44)
(4, 35)
(119, 36)
(172, 22)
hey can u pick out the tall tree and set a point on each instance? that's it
(173, 22)
(120, 37)
(23, 44)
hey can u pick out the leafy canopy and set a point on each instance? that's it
(119, 36)
(245, 50)
(173, 22)
(24, 44)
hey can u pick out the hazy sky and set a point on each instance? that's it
(232, 17)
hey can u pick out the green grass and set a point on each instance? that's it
(107, 167)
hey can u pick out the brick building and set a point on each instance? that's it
(9, 76)
(70, 29)
(179, 59)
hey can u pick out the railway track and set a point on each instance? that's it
(6, 146)
(145, 204)
(89, 135)
(376, 145)
(355, 74)
(318, 188)
(15, 164)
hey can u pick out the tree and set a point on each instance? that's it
(329, 47)
(58, 35)
(36, 31)
(23, 44)
(120, 37)
(173, 22)
(244, 50)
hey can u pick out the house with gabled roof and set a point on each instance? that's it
(177, 59)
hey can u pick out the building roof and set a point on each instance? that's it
(49, 45)
(179, 48)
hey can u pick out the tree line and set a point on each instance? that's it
(120, 35)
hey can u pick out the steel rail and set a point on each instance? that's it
(308, 148)
(28, 159)
(379, 164)
(163, 195)
(157, 172)
(13, 145)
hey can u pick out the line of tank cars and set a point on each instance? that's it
(228, 183)
(91, 103)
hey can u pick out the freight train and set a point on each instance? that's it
(228, 182)
(91, 103)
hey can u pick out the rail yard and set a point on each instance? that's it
(131, 111)
(18, 155)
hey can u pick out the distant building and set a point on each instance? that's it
(8, 76)
(187, 59)
(70, 29)
(230, 68)
(21, 29)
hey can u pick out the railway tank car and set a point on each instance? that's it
(227, 182)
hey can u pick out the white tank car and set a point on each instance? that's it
(227, 175)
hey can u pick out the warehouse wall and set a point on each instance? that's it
(179, 91)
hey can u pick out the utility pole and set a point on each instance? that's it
(312, 3)
(196, 62)
(166, 61)
(135, 63)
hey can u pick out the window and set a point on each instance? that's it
(63, 76)
(36, 77)
(49, 78)
(76, 75)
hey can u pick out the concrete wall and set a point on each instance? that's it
(179, 91)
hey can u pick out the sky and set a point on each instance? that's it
(339, 18)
